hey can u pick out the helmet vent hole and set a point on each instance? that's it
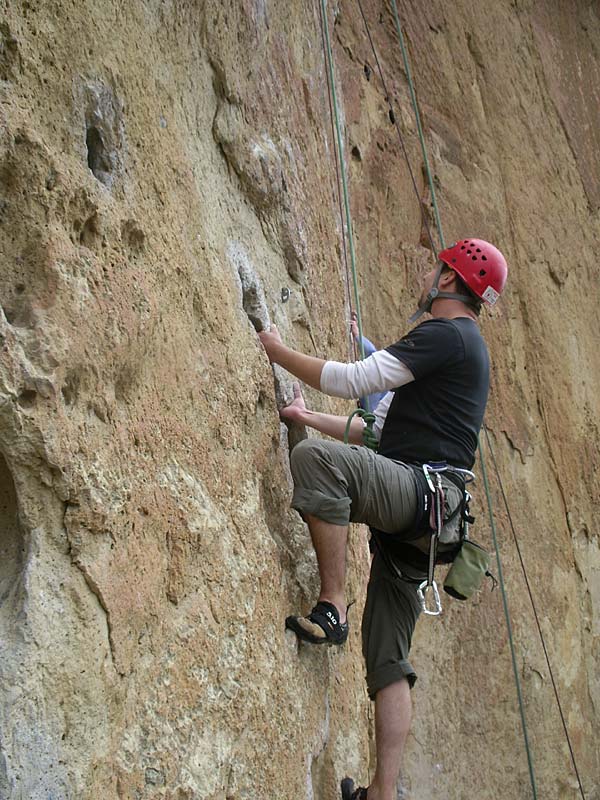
(478, 250)
(483, 258)
(462, 247)
(474, 258)
(481, 273)
(468, 252)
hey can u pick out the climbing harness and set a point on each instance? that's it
(433, 477)
(470, 561)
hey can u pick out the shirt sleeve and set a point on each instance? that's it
(381, 412)
(428, 347)
(368, 346)
(377, 373)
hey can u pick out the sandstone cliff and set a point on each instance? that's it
(165, 172)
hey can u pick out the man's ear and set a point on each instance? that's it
(447, 278)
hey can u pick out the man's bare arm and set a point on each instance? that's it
(329, 424)
(307, 368)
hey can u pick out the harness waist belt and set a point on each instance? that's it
(399, 544)
(424, 499)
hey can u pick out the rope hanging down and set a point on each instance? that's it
(537, 619)
(488, 494)
(489, 500)
(347, 290)
(340, 151)
(394, 120)
(508, 623)
(415, 106)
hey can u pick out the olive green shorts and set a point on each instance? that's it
(342, 483)
(391, 612)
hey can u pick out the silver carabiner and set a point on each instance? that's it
(425, 468)
(466, 473)
(422, 595)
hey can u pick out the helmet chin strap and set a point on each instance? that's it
(434, 293)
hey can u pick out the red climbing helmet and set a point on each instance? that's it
(480, 265)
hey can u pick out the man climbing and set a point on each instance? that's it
(436, 378)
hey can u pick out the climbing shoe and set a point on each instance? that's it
(321, 626)
(351, 793)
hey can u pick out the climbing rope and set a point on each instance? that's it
(413, 98)
(508, 623)
(393, 118)
(333, 104)
(347, 290)
(368, 435)
(533, 605)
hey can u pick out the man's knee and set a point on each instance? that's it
(302, 456)
(305, 449)
(399, 685)
(319, 488)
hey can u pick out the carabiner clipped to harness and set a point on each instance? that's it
(432, 472)
(434, 481)
(422, 592)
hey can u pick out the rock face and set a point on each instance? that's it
(167, 185)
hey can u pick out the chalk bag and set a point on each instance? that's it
(468, 570)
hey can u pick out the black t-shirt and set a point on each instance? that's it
(437, 416)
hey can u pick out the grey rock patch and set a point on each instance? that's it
(104, 131)
(252, 296)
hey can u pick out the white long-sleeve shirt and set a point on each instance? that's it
(379, 372)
